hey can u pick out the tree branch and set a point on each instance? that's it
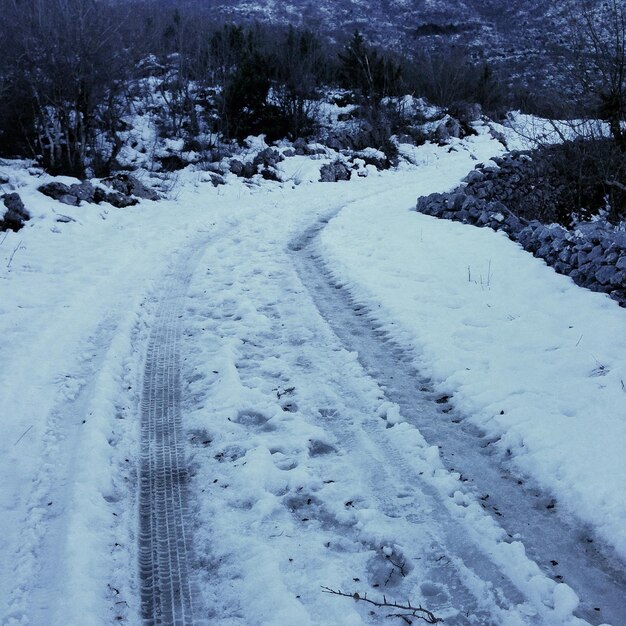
(411, 611)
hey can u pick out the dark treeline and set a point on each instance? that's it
(69, 70)
(73, 73)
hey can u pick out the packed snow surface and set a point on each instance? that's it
(301, 474)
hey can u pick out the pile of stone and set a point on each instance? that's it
(529, 184)
(125, 190)
(593, 254)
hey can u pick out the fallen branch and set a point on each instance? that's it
(411, 611)
(14, 252)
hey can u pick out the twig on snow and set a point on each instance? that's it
(396, 567)
(400, 566)
(23, 435)
(14, 252)
(411, 611)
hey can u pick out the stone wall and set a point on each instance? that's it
(593, 254)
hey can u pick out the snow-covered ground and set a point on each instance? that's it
(296, 481)
(535, 361)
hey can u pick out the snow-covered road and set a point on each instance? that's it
(310, 412)
(558, 543)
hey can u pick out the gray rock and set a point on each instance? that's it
(69, 199)
(16, 213)
(457, 200)
(139, 190)
(543, 251)
(621, 263)
(334, 172)
(119, 183)
(463, 216)
(217, 180)
(300, 146)
(13, 203)
(114, 198)
(543, 234)
(469, 112)
(236, 167)
(453, 126)
(597, 253)
(583, 257)
(512, 223)
(442, 135)
(54, 190)
(128, 185)
(173, 162)
(469, 202)
(83, 191)
(243, 170)
(605, 274)
(270, 173)
(380, 163)
(484, 218)
(564, 255)
(475, 176)
(267, 158)
(483, 192)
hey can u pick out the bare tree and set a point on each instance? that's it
(598, 66)
(300, 63)
(66, 66)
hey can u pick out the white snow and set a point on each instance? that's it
(524, 353)
(303, 476)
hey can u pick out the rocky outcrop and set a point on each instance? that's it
(593, 254)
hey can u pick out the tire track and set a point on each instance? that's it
(167, 597)
(549, 539)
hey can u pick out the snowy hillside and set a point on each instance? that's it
(493, 30)
(240, 404)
